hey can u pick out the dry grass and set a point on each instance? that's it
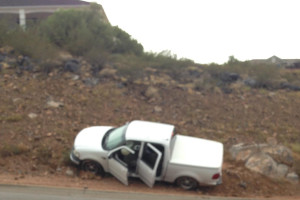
(11, 149)
(12, 118)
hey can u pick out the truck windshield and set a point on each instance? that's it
(114, 138)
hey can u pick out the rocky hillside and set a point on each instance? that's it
(42, 111)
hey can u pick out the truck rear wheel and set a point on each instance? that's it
(186, 183)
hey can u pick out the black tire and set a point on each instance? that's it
(186, 183)
(92, 166)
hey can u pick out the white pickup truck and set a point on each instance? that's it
(150, 151)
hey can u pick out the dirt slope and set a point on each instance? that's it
(36, 137)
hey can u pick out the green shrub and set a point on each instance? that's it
(123, 43)
(266, 75)
(130, 66)
(80, 31)
(205, 83)
(97, 58)
(167, 62)
(28, 43)
(291, 76)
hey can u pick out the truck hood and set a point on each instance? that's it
(91, 138)
(197, 152)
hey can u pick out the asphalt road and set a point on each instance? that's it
(12, 192)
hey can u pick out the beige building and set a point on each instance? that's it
(25, 12)
(287, 63)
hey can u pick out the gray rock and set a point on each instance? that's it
(91, 81)
(289, 86)
(54, 104)
(72, 66)
(270, 160)
(69, 172)
(157, 109)
(15, 100)
(75, 77)
(266, 165)
(32, 115)
(241, 151)
(281, 154)
(293, 177)
(282, 170)
(229, 77)
(250, 82)
(243, 184)
(262, 163)
(58, 169)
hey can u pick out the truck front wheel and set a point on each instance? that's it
(186, 183)
(92, 166)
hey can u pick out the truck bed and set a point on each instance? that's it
(196, 152)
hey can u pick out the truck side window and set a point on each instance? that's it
(118, 155)
(131, 159)
(149, 156)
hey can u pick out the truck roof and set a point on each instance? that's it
(149, 132)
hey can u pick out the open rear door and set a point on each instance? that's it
(148, 164)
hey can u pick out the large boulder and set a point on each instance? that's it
(279, 153)
(289, 86)
(229, 77)
(265, 164)
(72, 65)
(293, 177)
(274, 161)
(242, 152)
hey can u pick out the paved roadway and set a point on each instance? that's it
(12, 192)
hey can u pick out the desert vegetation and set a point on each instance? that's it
(84, 34)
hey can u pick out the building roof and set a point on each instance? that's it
(17, 3)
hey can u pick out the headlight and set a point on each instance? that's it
(76, 153)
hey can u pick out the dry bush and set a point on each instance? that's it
(11, 150)
(44, 154)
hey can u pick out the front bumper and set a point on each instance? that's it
(74, 159)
